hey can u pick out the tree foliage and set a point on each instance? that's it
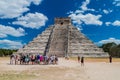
(112, 48)
(6, 52)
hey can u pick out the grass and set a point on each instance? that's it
(90, 59)
(16, 76)
(39, 74)
(4, 58)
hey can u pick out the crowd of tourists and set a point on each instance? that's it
(33, 59)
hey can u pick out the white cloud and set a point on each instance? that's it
(10, 44)
(70, 12)
(116, 23)
(32, 20)
(108, 23)
(2, 35)
(15, 8)
(79, 11)
(8, 30)
(79, 16)
(36, 2)
(84, 6)
(88, 19)
(116, 2)
(79, 27)
(117, 41)
(107, 11)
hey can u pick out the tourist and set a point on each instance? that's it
(33, 59)
(78, 59)
(110, 59)
(21, 59)
(82, 61)
(16, 59)
(51, 59)
(27, 59)
(45, 59)
(38, 59)
(41, 59)
(48, 60)
(56, 59)
(12, 59)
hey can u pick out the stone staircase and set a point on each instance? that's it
(58, 40)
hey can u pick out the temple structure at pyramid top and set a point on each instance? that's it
(64, 21)
(62, 39)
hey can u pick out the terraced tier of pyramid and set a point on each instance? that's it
(62, 39)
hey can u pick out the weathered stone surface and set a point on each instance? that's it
(38, 44)
(63, 39)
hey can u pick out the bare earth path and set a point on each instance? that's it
(65, 70)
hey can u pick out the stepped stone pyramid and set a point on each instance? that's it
(62, 39)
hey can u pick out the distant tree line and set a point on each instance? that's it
(112, 48)
(6, 52)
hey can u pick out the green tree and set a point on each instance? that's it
(112, 48)
(6, 52)
(106, 47)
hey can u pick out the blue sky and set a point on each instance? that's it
(23, 20)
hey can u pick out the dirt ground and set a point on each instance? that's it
(65, 70)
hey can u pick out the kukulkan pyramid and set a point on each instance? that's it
(62, 39)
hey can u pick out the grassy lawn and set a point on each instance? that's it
(4, 58)
(88, 59)
(11, 75)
